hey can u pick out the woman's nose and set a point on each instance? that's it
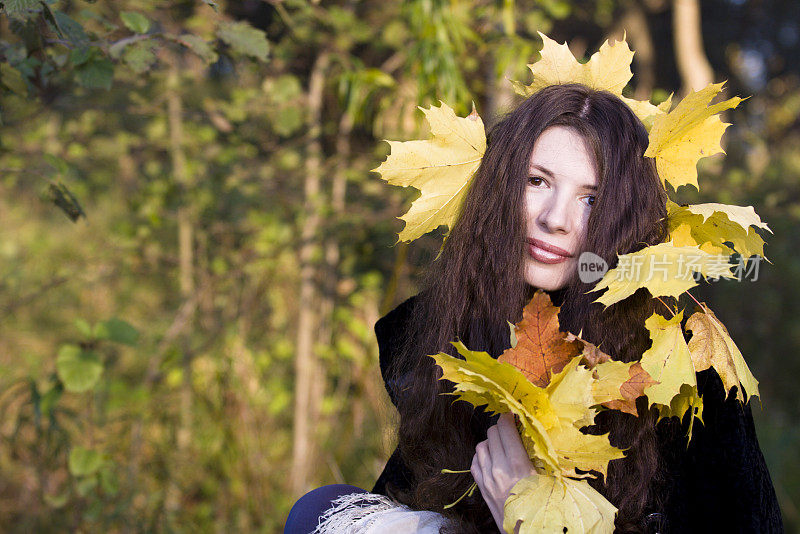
(555, 216)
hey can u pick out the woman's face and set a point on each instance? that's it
(558, 198)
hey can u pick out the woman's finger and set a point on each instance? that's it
(496, 452)
(511, 441)
(479, 462)
(475, 469)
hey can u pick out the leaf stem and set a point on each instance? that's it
(694, 299)
(665, 305)
(468, 492)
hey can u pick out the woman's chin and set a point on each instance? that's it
(543, 278)
(544, 283)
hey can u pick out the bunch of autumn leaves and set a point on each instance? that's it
(554, 381)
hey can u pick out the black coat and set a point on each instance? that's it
(719, 484)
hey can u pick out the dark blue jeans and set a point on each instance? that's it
(304, 515)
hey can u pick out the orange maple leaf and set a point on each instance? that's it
(631, 389)
(592, 355)
(542, 349)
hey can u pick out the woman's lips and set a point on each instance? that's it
(545, 252)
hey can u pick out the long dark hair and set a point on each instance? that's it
(478, 284)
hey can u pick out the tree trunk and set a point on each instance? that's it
(306, 364)
(185, 275)
(332, 253)
(634, 23)
(693, 65)
(500, 96)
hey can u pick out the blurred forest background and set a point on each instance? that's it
(193, 251)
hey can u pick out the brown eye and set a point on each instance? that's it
(590, 200)
(533, 180)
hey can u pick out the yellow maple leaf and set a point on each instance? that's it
(483, 381)
(587, 452)
(570, 392)
(610, 377)
(688, 234)
(546, 504)
(550, 417)
(668, 362)
(441, 168)
(711, 345)
(646, 111)
(710, 225)
(609, 69)
(691, 131)
(744, 216)
(687, 399)
(664, 269)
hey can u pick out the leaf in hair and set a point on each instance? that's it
(609, 69)
(691, 131)
(440, 167)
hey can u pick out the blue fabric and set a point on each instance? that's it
(304, 515)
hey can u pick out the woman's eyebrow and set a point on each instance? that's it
(545, 170)
(542, 169)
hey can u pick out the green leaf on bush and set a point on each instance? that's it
(71, 29)
(198, 46)
(244, 39)
(78, 369)
(79, 56)
(96, 73)
(84, 327)
(139, 56)
(136, 22)
(83, 461)
(58, 164)
(118, 331)
(287, 121)
(20, 8)
(12, 78)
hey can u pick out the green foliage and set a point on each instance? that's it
(117, 330)
(12, 79)
(19, 8)
(78, 369)
(198, 46)
(136, 22)
(244, 39)
(83, 462)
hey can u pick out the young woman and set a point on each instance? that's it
(562, 174)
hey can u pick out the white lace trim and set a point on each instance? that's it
(370, 513)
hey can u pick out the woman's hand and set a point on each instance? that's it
(499, 463)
